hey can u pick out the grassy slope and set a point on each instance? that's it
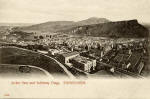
(17, 56)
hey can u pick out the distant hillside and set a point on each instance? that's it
(130, 28)
(93, 20)
(61, 25)
(48, 26)
(15, 24)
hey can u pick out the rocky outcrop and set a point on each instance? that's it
(129, 29)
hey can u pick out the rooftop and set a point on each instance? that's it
(69, 54)
(82, 59)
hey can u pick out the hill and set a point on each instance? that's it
(15, 24)
(98, 27)
(129, 28)
(55, 26)
(92, 20)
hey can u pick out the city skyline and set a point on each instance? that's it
(39, 11)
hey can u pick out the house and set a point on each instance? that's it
(13, 38)
(107, 49)
(83, 63)
(65, 57)
(45, 35)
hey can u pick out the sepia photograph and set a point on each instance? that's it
(74, 41)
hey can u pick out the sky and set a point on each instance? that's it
(39, 11)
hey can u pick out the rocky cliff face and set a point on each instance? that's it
(129, 28)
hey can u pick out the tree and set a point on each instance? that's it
(41, 37)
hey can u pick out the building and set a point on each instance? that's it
(65, 57)
(84, 63)
(44, 35)
(107, 49)
(13, 38)
(140, 67)
(53, 51)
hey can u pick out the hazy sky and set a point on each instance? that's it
(37, 11)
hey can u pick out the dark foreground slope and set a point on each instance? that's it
(18, 56)
(127, 29)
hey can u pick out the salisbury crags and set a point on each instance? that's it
(128, 29)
